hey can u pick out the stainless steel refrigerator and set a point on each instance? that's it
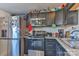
(15, 29)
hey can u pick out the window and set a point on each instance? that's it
(4, 33)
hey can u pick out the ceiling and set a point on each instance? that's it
(23, 8)
(75, 7)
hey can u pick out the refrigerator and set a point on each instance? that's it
(15, 30)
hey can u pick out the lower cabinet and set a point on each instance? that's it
(53, 48)
(48, 47)
(60, 51)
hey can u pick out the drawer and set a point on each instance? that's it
(50, 43)
(50, 40)
(50, 47)
(50, 53)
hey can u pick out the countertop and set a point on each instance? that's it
(71, 51)
(62, 41)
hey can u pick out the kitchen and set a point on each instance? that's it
(45, 30)
(53, 30)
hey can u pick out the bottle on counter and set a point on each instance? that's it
(67, 34)
(72, 41)
(53, 34)
(56, 34)
(61, 33)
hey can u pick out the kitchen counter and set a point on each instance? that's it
(63, 43)
(70, 51)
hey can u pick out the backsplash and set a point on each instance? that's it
(47, 29)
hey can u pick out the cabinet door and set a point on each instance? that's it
(50, 44)
(72, 18)
(25, 46)
(50, 49)
(59, 18)
(50, 53)
(51, 18)
(53, 48)
(60, 51)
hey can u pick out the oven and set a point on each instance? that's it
(35, 46)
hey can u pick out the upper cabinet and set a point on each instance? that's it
(66, 18)
(42, 19)
(72, 18)
(59, 19)
(38, 19)
(51, 18)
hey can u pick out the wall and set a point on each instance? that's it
(5, 44)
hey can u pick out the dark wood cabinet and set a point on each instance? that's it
(51, 18)
(72, 18)
(42, 19)
(53, 48)
(50, 47)
(59, 18)
(60, 51)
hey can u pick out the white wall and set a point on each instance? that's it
(4, 44)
